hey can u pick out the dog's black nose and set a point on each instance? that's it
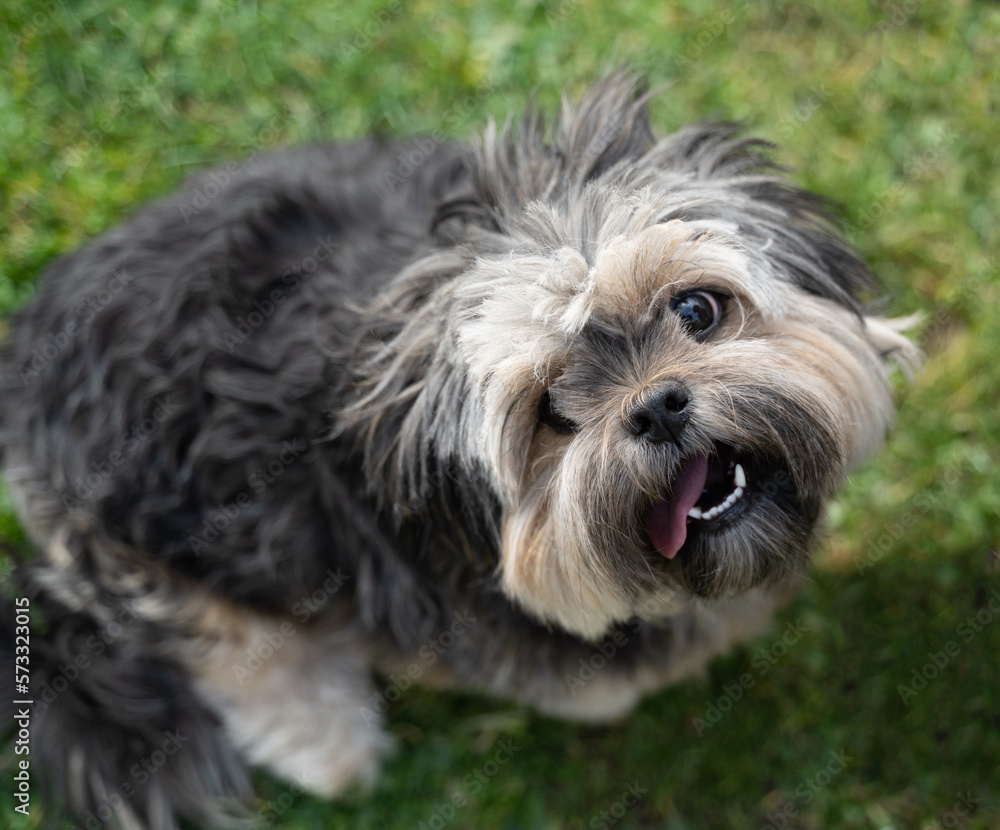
(659, 415)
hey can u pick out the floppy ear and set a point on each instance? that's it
(809, 244)
(736, 179)
(794, 228)
(406, 394)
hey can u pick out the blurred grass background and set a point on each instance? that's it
(889, 107)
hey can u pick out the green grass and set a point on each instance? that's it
(890, 108)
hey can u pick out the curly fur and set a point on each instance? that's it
(326, 368)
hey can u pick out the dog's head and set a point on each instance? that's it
(651, 350)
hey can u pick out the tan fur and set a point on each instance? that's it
(297, 715)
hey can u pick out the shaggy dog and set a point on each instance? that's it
(512, 399)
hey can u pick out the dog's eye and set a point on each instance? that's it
(552, 419)
(699, 311)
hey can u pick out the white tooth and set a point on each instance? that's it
(738, 492)
(695, 513)
(740, 478)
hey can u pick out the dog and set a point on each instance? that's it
(515, 398)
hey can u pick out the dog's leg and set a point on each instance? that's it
(291, 697)
(603, 681)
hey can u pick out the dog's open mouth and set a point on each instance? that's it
(706, 490)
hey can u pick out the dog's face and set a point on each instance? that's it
(663, 377)
(668, 416)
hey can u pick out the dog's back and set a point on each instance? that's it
(165, 395)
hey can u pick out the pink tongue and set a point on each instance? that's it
(667, 521)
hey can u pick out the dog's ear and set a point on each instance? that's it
(808, 243)
(737, 181)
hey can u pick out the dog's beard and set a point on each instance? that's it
(604, 530)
